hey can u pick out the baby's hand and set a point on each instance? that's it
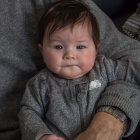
(51, 137)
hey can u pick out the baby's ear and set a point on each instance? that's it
(40, 47)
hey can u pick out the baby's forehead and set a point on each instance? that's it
(84, 26)
(78, 34)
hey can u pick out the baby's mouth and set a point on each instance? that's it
(70, 65)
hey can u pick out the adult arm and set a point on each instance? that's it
(115, 70)
(102, 128)
(115, 45)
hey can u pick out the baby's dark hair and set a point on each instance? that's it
(67, 12)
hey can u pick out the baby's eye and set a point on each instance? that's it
(80, 47)
(58, 47)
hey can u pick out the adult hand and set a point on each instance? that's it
(103, 127)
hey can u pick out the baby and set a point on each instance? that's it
(60, 102)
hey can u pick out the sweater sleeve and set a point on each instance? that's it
(118, 46)
(31, 113)
(123, 90)
(125, 97)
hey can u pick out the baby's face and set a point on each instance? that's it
(69, 53)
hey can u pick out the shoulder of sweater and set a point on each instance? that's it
(101, 60)
(40, 77)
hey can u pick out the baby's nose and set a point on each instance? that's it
(69, 55)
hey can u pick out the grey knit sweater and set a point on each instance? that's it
(20, 59)
(64, 107)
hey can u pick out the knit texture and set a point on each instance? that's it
(20, 58)
(65, 107)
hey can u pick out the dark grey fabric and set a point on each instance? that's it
(20, 59)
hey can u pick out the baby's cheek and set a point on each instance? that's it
(52, 65)
(86, 64)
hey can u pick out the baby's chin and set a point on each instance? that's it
(69, 77)
(71, 73)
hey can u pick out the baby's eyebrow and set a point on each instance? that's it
(81, 41)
